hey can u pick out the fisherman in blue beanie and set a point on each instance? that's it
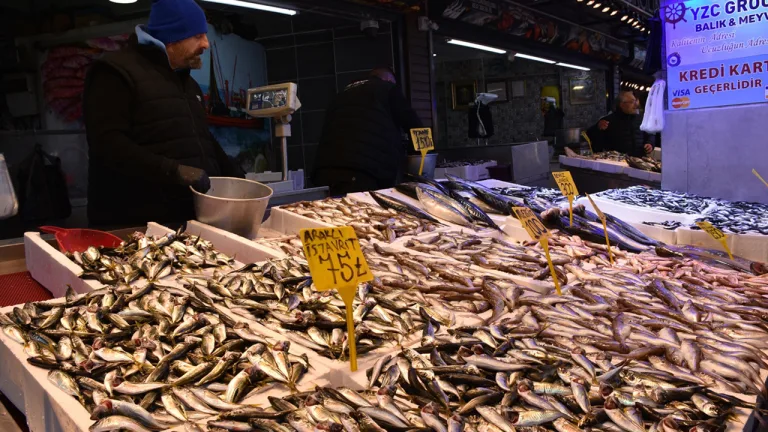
(181, 27)
(147, 123)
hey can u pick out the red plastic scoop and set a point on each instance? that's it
(78, 240)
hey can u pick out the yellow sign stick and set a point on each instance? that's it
(422, 142)
(589, 141)
(754, 171)
(538, 232)
(567, 187)
(337, 262)
(601, 215)
(716, 234)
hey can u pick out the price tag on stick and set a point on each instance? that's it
(567, 187)
(422, 142)
(337, 262)
(538, 232)
(754, 171)
(601, 215)
(716, 234)
(589, 141)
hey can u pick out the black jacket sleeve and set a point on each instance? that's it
(597, 136)
(107, 113)
(404, 115)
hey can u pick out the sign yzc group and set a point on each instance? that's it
(717, 52)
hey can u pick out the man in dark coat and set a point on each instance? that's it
(620, 130)
(361, 147)
(146, 123)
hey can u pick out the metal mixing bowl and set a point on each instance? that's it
(233, 204)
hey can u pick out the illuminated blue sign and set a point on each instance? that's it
(717, 52)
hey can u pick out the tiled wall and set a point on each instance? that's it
(519, 119)
(322, 61)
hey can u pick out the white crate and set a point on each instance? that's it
(636, 214)
(749, 246)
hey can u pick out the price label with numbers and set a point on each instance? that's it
(539, 232)
(334, 257)
(567, 187)
(716, 234)
(422, 139)
(337, 262)
(565, 183)
(530, 222)
(422, 142)
(601, 215)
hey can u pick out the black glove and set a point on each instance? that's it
(195, 177)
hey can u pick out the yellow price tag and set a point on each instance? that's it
(601, 215)
(754, 171)
(337, 262)
(567, 187)
(589, 141)
(716, 234)
(538, 232)
(422, 142)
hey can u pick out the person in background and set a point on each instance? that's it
(146, 123)
(361, 147)
(620, 130)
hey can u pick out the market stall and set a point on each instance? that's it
(461, 325)
(612, 170)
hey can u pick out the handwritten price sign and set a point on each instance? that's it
(716, 234)
(422, 142)
(567, 187)
(337, 262)
(538, 232)
(530, 222)
(422, 139)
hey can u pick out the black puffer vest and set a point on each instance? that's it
(168, 119)
(360, 133)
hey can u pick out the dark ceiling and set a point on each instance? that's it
(579, 12)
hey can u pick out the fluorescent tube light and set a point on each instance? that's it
(476, 46)
(573, 66)
(123, 1)
(257, 6)
(578, 87)
(539, 59)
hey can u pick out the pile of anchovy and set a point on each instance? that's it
(149, 357)
(369, 221)
(462, 163)
(671, 201)
(738, 217)
(644, 163)
(152, 259)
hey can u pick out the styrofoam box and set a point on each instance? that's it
(635, 214)
(482, 170)
(54, 271)
(640, 174)
(493, 183)
(606, 166)
(748, 246)
(654, 177)
(286, 222)
(574, 162)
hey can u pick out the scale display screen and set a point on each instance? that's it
(269, 99)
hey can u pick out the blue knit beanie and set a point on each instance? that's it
(174, 20)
